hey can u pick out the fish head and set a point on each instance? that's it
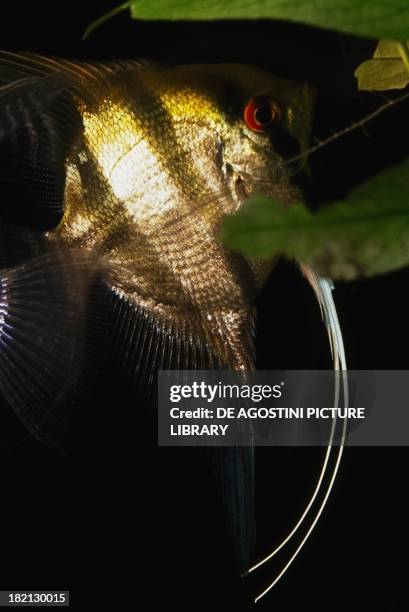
(241, 127)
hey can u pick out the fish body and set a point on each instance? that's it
(162, 155)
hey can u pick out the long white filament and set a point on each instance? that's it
(307, 508)
(323, 290)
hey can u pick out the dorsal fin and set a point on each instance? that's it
(14, 66)
(24, 100)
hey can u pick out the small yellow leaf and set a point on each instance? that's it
(382, 74)
(387, 48)
(385, 71)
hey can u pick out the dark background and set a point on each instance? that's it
(143, 523)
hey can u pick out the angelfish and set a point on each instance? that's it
(124, 174)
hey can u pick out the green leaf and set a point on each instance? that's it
(374, 18)
(385, 71)
(364, 235)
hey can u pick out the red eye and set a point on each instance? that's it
(261, 113)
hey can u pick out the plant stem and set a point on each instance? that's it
(95, 24)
